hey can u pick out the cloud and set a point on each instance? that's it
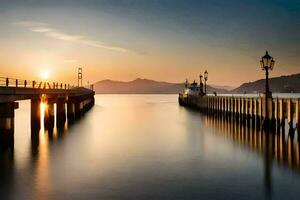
(30, 23)
(41, 29)
(70, 61)
(47, 30)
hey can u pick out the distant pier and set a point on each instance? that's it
(281, 111)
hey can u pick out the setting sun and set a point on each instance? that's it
(44, 74)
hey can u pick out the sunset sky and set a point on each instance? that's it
(156, 39)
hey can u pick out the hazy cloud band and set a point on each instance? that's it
(47, 30)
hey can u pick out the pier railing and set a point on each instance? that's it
(20, 83)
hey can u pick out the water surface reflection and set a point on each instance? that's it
(279, 145)
(147, 147)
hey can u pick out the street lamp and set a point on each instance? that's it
(186, 83)
(205, 79)
(201, 84)
(200, 76)
(267, 63)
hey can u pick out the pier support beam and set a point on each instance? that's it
(7, 124)
(284, 116)
(298, 119)
(51, 114)
(78, 111)
(71, 110)
(292, 117)
(273, 115)
(267, 111)
(60, 112)
(35, 114)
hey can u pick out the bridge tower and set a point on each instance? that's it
(80, 77)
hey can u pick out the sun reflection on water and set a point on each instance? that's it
(42, 167)
(43, 109)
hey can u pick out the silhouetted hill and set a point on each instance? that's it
(142, 86)
(282, 84)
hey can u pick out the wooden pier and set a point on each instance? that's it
(70, 103)
(281, 111)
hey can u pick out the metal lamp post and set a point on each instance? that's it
(205, 79)
(200, 77)
(200, 83)
(267, 63)
(186, 83)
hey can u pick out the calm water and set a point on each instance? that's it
(146, 147)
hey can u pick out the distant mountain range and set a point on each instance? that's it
(282, 84)
(142, 86)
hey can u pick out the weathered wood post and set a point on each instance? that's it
(218, 106)
(273, 115)
(78, 108)
(243, 110)
(60, 112)
(221, 107)
(259, 113)
(232, 108)
(46, 116)
(249, 110)
(35, 115)
(226, 108)
(269, 115)
(298, 121)
(278, 115)
(247, 114)
(236, 108)
(245, 107)
(210, 105)
(71, 110)
(51, 115)
(292, 116)
(207, 104)
(253, 112)
(284, 115)
(7, 115)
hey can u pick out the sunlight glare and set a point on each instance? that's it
(45, 74)
(43, 110)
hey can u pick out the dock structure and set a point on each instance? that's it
(276, 147)
(64, 102)
(281, 111)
